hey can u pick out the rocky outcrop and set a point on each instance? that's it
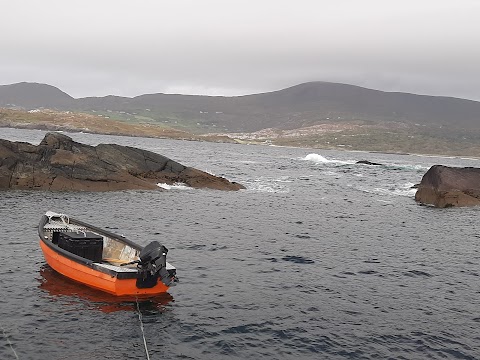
(444, 186)
(58, 163)
(366, 162)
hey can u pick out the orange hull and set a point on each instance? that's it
(96, 279)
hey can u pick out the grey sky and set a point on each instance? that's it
(230, 47)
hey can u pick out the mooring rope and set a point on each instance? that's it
(9, 343)
(141, 327)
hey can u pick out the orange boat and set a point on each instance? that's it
(104, 260)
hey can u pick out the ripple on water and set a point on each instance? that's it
(412, 273)
(298, 259)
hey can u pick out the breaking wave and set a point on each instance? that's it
(176, 186)
(411, 167)
(319, 159)
(396, 189)
(268, 184)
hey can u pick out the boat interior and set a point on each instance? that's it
(104, 250)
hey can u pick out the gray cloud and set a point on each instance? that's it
(94, 48)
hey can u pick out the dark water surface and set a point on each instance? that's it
(320, 258)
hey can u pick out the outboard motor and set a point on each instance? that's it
(153, 266)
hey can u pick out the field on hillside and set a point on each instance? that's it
(387, 137)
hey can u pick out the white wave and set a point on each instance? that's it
(316, 158)
(283, 179)
(319, 159)
(176, 186)
(267, 188)
(408, 166)
(407, 189)
(209, 172)
(396, 190)
(270, 185)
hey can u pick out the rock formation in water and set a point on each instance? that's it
(366, 162)
(444, 186)
(58, 163)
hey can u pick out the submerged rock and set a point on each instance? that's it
(59, 163)
(366, 162)
(444, 186)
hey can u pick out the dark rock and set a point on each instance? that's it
(444, 186)
(366, 162)
(59, 163)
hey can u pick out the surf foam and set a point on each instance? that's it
(176, 186)
(319, 159)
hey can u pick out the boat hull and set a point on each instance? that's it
(96, 279)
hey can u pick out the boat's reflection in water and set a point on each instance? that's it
(60, 287)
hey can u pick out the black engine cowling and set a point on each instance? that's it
(153, 266)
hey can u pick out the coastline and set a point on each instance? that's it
(223, 139)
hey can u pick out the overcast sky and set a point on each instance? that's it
(230, 47)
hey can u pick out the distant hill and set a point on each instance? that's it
(295, 107)
(33, 96)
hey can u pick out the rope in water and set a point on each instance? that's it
(9, 343)
(141, 327)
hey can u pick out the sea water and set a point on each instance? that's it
(319, 258)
